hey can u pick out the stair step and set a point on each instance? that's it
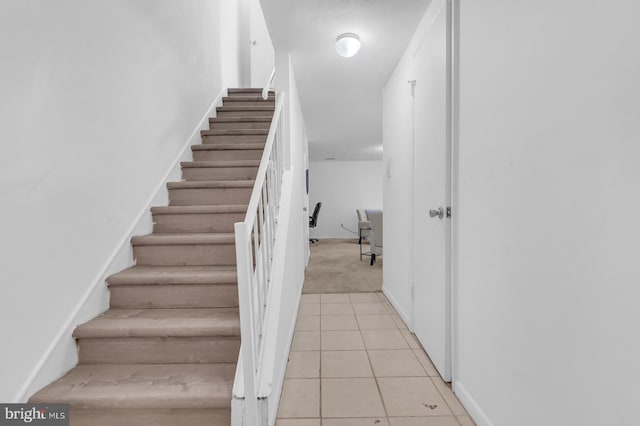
(244, 111)
(234, 132)
(247, 100)
(240, 122)
(146, 287)
(267, 109)
(161, 387)
(264, 119)
(158, 350)
(231, 138)
(174, 296)
(233, 151)
(248, 97)
(185, 249)
(249, 90)
(161, 323)
(247, 146)
(220, 170)
(167, 275)
(158, 336)
(198, 193)
(220, 164)
(197, 218)
(234, 136)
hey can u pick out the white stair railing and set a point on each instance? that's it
(255, 241)
(267, 87)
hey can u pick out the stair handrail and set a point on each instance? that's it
(255, 240)
(267, 87)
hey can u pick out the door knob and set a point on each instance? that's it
(439, 213)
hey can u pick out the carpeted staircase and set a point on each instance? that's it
(165, 352)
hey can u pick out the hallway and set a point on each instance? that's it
(353, 362)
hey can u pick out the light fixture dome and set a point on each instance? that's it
(347, 44)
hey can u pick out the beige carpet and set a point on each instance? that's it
(335, 267)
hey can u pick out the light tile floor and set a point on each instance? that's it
(353, 362)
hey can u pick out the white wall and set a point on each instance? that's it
(549, 230)
(262, 53)
(343, 187)
(98, 99)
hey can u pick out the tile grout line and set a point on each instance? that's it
(375, 377)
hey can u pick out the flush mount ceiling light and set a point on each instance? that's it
(347, 44)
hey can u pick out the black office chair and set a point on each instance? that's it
(313, 220)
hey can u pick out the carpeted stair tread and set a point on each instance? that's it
(228, 146)
(169, 275)
(270, 108)
(162, 323)
(262, 119)
(248, 98)
(246, 90)
(136, 386)
(224, 163)
(183, 239)
(211, 184)
(234, 132)
(198, 209)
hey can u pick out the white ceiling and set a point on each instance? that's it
(341, 97)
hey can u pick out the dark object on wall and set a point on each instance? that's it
(313, 220)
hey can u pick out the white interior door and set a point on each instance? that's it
(431, 139)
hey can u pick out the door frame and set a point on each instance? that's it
(454, 164)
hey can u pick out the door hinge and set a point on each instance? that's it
(411, 289)
(413, 87)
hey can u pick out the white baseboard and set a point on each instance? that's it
(398, 308)
(471, 405)
(61, 355)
